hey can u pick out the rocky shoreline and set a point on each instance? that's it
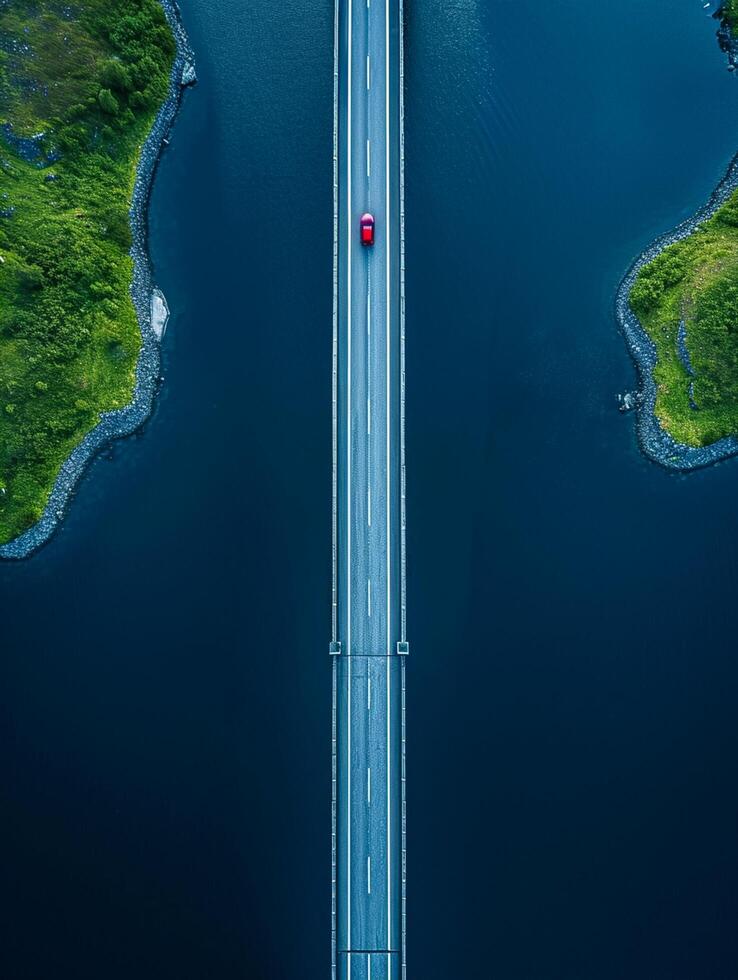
(122, 422)
(654, 441)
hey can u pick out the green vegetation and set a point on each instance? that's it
(687, 301)
(89, 76)
(695, 281)
(729, 13)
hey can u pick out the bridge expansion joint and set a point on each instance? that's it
(402, 649)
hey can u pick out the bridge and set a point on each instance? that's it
(369, 642)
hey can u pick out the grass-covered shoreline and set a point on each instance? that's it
(90, 77)
(686, 299)
(694, 282)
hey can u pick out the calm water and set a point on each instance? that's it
(164, 682)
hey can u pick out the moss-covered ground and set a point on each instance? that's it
(80, 85)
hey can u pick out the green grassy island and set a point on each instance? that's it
(80, 86)
(687, 302)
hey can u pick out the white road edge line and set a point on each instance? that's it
(369, 784)
(348, 494)
(388, 219)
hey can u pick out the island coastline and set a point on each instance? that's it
(654, 440)
(123, 422)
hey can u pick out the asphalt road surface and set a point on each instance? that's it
(369, 572)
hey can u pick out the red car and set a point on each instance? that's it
(366, 229)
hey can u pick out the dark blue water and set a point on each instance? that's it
(164, 681)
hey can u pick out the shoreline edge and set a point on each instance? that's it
(654, 441)
(124, 421)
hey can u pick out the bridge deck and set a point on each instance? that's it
(369, 589)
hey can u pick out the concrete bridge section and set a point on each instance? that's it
(369, 643)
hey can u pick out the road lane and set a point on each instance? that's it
(369, 545)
